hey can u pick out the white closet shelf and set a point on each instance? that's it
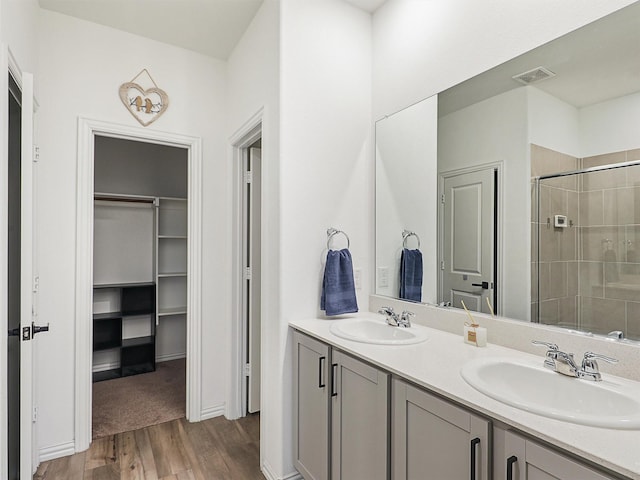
(172, 274)
(165, 312)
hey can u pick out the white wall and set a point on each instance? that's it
(610, 126)
(81, 67)
(406, 167)
(495, 130)
(553, 123)
(422, 48)
(18, 30)
(253, 78)
(326, 164)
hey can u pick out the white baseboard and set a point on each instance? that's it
(167, 357)
(268, 473)
(56, 451)
(211, 412)
(100, 367)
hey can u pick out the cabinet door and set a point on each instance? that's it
(527, 460)
(359, 425)
(311, 407)
(434, 439)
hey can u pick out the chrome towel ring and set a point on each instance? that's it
(406, 234)
(331, 232)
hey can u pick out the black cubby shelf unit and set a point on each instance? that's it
(137, 354)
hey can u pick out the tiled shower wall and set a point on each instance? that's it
(589, 272)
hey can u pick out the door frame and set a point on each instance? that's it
(498, 227)
(87, 130)
(240, 141)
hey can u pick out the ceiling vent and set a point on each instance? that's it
(533, 76)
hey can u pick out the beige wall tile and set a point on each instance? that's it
(633, 155)
(633, 173)
(619, 206)
(633, 320)
(591, 208)
(595, 240)
(600, 315)
(613, 178)
(606, 159)
(568, 312)
(557, 280)
(591, 279)
(544, 272)
(549, 313)
(572, 279)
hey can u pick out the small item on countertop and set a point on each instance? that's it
(474, 334)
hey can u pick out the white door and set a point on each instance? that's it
(468, 240)
(26, 281)
(16, 458)
(252, 301)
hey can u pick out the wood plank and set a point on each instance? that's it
(215, 449)
(102, 452)
(146, 453)
(105, 472)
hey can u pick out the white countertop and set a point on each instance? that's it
(435, 365)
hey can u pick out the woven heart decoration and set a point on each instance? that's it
(146, 106)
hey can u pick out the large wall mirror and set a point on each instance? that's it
(532, 207)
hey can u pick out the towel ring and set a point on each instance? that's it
(406, 234)
(331, 232)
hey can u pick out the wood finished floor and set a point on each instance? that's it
(178, 450)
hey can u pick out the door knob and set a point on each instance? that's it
(37, 329)
(484, 285)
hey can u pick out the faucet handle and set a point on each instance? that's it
(551, 346)
(617, 334)
(405, 318)
(590, 359)
(386, 311)
(590, 369)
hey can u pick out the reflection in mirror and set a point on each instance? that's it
(406, 203)
(586, 225)
(568, 105)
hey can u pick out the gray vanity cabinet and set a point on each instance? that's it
(518, 458)
(359, 423)
(311, 367)
(339, 403)
(434, 439)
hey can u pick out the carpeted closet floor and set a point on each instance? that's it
(130, 403)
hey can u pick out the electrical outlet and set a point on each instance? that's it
(383, 277)
(357, 278)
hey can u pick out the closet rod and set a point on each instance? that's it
(108, 198)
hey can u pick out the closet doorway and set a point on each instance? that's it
(160, 226)
(139, 284)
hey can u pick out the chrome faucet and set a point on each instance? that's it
(395, 320)
(391, 316)
(617, 334)
(564, 363)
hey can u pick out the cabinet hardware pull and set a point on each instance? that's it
(321, 384)
(334, 370)
(510, 461)
(474, 444)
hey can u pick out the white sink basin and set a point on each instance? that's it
(608, 404)
(367, 330)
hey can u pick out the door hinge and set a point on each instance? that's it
(34, 418)
(442, 265)
(248, 177)
(247, 273)
(247, 369)
(36, 284)
(36, 153)
(442, 198)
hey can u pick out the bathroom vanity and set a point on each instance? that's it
(404, 411)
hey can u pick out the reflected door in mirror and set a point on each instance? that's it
(468, 244)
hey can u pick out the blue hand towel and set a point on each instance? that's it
(338, 289)
(411, 275)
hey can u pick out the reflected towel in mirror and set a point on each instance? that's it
(411, 275)
(338, 288)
